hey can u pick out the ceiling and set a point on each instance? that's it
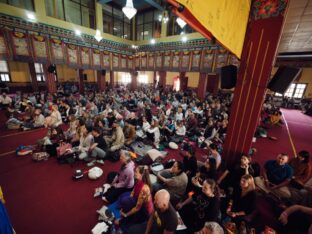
(297, 32)
(140, 5)
(296, 35)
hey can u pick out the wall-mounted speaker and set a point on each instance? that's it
(228, 77)
(85, 77)
(283, 78)
(52, 68)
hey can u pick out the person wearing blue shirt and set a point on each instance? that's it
(276, 176)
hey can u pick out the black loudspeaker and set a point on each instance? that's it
(85, 77)
(52, 68)
(228, 77)
(283, 78)
(103, 72)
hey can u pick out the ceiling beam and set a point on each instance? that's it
(104, 1)
(154, 4)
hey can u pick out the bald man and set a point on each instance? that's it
(164, 219)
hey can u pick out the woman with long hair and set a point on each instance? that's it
(203, 206)
(243, 201)
(137, 206)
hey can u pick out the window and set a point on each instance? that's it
(4, 71)
(25, 4)
(148, 25)
(143, 78)
(81, 12)
(39, 72)
(126, 78)
(295, 90)
(115, 22)
(174, 28)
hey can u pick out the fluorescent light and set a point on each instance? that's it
(181, 22)
(129, 10)
(153, 41)
(184, 39)
(31, 16)
(98, 36)
(77, 32)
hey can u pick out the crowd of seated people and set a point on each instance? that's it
(206, 193)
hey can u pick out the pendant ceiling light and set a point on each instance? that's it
(129, 10)
(98, 36)
(181, 22)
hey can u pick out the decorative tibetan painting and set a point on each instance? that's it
(151, 62)
(130, 62)
(40, 48)
(176, 61)
(123, 61)
(185, 61)
(4, 50)
(106, 60)
(221, 59)
(207, 61)
(72, 55)
(234, 60)
(96, 59)
(116, 61)
(85, 57)
(158, 64)
(57, 51)
(196, 55)
(143, 61)
(20, 46)
(137, 62)
(167, 61)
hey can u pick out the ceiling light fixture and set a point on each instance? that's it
(77, 32)
(129, 10)
(184, 39)
(98, 36)
(31, 16)
(181, 22)
(153, 41)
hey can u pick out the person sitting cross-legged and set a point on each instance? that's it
(276, 177)
(97, 149)
(137, 206)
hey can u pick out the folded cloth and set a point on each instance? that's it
(100, 228)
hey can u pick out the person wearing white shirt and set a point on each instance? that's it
(154, 129)
(179, 115)
(5, 101)
(180, 129)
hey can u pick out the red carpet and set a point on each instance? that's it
(41, 197)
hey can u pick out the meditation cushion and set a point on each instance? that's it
(173, 145)
(95, 173)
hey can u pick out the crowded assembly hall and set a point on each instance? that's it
(155, 116)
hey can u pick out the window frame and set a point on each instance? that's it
(8, 2)
(5, 73)
(293, 91)
(155, 25)
(41, 74)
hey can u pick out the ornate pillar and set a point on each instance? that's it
(33, 77)
(202, 86)
(101, 82)
(80, 81)
(111, 80)
(134, 80)
(162, 79)
(258, 57)
(183, 81)
(50, 79)
(213, 83)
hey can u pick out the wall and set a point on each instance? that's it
(306, 77)
(19, 72)
(170, 76)
(193, 79)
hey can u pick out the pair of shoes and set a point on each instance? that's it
(90, 164)
(100, 161)
(25, 129)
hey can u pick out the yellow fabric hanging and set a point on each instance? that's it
(225, 20)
